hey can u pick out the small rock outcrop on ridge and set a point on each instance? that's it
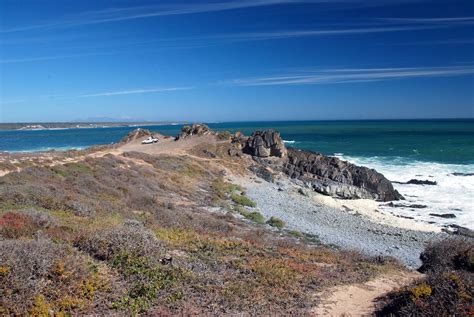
(135, 135)
(195, 129)
(265, 144)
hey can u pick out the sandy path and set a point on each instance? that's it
(360, 299)
(166, 146)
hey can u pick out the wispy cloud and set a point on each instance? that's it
(135, 91)
(54, 57)
(350, 75)
(99, 94)
(468, 19)
(108, 15)
(140, 12)
(274, 35)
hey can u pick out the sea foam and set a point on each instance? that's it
(452, 194)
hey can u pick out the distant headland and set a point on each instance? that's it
(79, 125)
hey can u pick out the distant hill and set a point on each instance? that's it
(75, 125)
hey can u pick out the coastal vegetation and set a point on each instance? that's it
(114, 231)
(447, 289)
(128, 234)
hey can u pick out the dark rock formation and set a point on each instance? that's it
(421, 182)
(265, 144)
(334, 177)
(406, 206)
(263, 173)
(462, 174)
(446, 216)
(327, 175)
(136, 134)
(461, 231)
(195, 129)
(417, 182)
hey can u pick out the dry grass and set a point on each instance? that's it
(129, 235)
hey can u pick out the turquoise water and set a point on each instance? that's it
(442, 141)
(401, 150)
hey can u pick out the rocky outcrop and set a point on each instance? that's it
(194, 130)
(417, 182)
(334, 177)
(136, 134)
(421, 182)
(326, 175)
(265, 144)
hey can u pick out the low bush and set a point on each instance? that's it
(223, 190)
(243, 200)
(447, 290)
(39, 275)
(254, 216)
(130, 238)
(276, 222)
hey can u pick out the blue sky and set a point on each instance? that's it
(236, 60)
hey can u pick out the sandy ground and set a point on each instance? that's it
(370, 209)
(337, 222)
(361, 299)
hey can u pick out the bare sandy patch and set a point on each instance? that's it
(360, 299)
(370, 209)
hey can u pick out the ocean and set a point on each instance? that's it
(400, 149)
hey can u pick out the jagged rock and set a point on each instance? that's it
(446, 216)
(265, 144)
(263, 173)
(136, 134)
(210, 154)
(462, 231)
(334, 177)
(406, 206)
(303, 192)
(195, 129)
(327, 175)
(234, 152)
(421, 182)
(462, 174)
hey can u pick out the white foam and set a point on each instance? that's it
(451, 195)
(289, 142)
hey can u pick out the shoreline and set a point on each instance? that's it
(368, 232)
(17, 127)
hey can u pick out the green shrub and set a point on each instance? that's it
(147, 280)
(224, 189)
(276, 222)
(295, 233)
(254, 216)
(447, 288)
(243, 200)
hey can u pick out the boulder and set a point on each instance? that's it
(265, 144)
(263, 173)
(195, 129)
(135, 135)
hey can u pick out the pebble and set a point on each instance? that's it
(343, 229)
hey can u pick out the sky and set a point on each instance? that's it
(239, 60)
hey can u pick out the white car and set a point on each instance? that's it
(150, 140)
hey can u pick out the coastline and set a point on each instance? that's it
(79, 125)
(355, 227)
(350, 224)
